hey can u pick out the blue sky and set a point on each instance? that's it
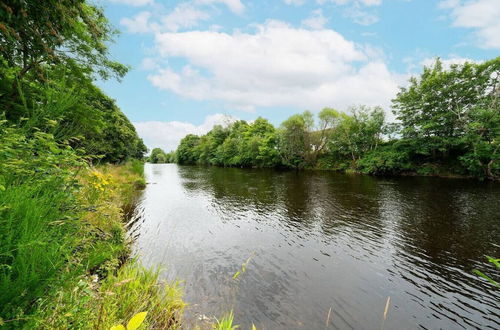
(197, 62)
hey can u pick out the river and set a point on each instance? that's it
(322, 250)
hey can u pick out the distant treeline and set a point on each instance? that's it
(448, 123)
(158, 156)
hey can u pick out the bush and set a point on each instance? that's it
(385, 160)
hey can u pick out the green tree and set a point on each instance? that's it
(358, 133)
(261, 144)
(158, 156)
(186, 152)
(301, 142)
(453, 114)
(71, 33)
(294, 142)
(49, 53)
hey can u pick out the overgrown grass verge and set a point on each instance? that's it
(64, 257)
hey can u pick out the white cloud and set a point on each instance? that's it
(316, 21)
(481, 15)
(236, 6)
(136, 3)
(448, 4)
(137, 24)
(278, 65)
(356, 10)
(184, 15)
(149, 63)
(361, 16)
(167, 134)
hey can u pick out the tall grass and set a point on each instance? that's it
(226, 322)
(133, 289)
(37, 237)
(63, 242)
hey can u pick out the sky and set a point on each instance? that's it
(197, 63)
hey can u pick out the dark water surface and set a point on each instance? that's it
(321, 242)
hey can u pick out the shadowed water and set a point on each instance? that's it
(323, 247)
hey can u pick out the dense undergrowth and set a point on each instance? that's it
(70, 163)
(64, 255)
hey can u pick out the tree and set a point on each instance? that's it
(71, 33)
(261, 143)
(158, 156)
(301, 142)
(186, 153)
(96, 125)
(294, 142)
(358, 133)
(450, 114)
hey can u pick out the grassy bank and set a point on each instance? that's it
(65, 257)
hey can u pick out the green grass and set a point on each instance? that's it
(226, 322)
(64, 256)
(37, 237)
(132, 290)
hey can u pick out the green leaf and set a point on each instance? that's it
(54, 149)
(235, 276)
(136, 321)
(494, 261)
(486, 277)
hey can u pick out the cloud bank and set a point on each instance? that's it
(277, 65)
(481, 15)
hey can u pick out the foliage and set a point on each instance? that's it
(73, 34)
(357, 134)
(243, 268)
(84, 119)
(226, 323)
(238, 144)
(83, 305)
(64, 235)
(386, 159)
(158, 156)
(294, 139)
(50, 52)
(134, 323)
(453, 114)
(448, 123)
(495, 262)
(185, 151)
(61, 219)
(61, 228)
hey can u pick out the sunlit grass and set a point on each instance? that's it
(226, 322)
(64, 255)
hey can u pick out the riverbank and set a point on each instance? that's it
(431, 170)
(69, 263)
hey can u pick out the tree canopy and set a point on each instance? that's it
(50, 52)
(72, 33)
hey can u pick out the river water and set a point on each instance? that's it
(324, 250)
